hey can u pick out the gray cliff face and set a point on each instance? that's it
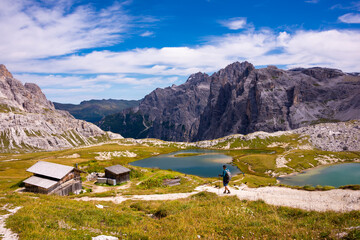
(271, 99)
(24, 98)
(174, 112)
(170, 114)
(28, 121)
(242, 99)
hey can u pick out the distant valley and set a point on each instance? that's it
(94, 110)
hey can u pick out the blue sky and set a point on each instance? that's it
(78, 50)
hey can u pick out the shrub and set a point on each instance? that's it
(309, 188)
(136, 174)
(151, 183)
(204, 196)
(351, 187)
(161, 213)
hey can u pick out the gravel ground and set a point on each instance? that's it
(336, 200)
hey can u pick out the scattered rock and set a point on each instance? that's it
(104, 237)
(75, 155)
(110, 155)
(341, 136)
(172, 182)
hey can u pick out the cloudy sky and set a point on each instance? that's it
(98, 49)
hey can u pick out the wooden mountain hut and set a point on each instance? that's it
(118, 172)
(52, 178)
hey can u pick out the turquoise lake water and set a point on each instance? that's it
(334, 175)
(208, 164)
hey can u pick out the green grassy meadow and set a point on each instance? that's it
(202, 216)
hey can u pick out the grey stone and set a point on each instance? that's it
(111, 181)
(101, 180)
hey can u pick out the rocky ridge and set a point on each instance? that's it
(335, 137)
(28, 121)
(94, 110)
(172, 113)
(241, 99)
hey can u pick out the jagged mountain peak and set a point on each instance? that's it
(24, 98)
(4, 72)
(197, 78)
(242, 99)
(320, 73)
(236, 67)
(29, 122)
(232, 73)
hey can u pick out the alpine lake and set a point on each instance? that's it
(208, 163)
(200, 162)
(333, 175)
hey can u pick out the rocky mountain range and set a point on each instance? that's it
(28, 121)
(94, 110)
(241, 99)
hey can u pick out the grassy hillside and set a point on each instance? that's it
(94, 110)
(204, 216)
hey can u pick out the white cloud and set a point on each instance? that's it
(349, 6)
(43, 43)
(312, 1)
(96, 82)
(350, 18)
(33, 30)
(147, 34)
(332, 48)
(234, 23)
(76, 88)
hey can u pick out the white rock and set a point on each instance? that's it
(104, 237)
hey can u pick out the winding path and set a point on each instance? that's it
(335, 200)
(6, 233)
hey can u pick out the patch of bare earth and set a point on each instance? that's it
(335, 200)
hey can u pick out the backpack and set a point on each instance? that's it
(227, 175)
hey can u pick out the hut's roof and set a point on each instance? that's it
(117, 169)
(40, 182)
(48, 169)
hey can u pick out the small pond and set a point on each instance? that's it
(200, 162)
(334, 175)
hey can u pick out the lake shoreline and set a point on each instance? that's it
(205, 163)
(319, 166)
(317, 175)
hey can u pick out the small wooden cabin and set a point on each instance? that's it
(52, 178)
(118, 172)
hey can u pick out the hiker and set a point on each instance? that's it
(226, 178)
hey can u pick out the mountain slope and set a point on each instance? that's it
(172, 113)
(94, 110)
(28, 121)
(241, 99)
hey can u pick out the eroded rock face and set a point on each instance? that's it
(172, 113)
(241, 99)
(28, 121)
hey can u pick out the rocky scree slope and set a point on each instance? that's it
(241, 99)
(28, 121)
(336, 137)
